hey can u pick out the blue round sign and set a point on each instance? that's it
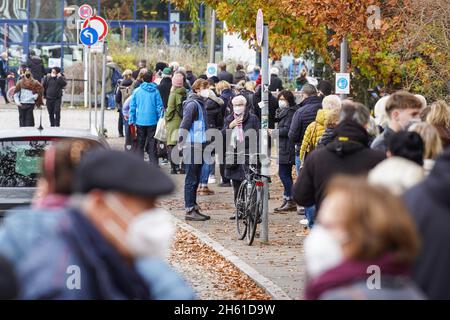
(88, 36)
(342, 83)
(212, 70)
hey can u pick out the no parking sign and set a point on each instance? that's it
(342, 83)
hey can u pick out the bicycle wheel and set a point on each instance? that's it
(241, 211)
(252, 214)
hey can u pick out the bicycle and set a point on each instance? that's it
(249, 203)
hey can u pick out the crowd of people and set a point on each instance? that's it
(372, 187)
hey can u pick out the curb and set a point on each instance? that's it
(271, 288)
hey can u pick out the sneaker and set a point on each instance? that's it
(288, 206)
(224, 184)
(212, 179)
(205, 191)
(304, 222)
(203, 215)
(195, 216)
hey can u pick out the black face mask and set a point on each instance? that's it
(28, 75)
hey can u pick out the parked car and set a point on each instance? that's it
(21, 152)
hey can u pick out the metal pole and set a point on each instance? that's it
(145, 37)
(72, 93)
(85, 82)
(212, 39)
(95, 91)
(264, 134)
(89, 86)
(102, 114)
(344, 59)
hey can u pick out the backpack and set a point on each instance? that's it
(126, 92)
(115, 77)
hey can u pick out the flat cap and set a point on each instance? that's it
(120, 171)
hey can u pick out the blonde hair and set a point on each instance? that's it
(377, 222)
(439, 114)
(222, 85)
(127, 73)
(430, 136)
(250, 85)
(332, 118)
(331, 102)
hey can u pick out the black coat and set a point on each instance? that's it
(273, 106)
(214, 117)
(351, 156)
(429, 204)
(275, 83)
(328, 136)
(190, 77)
(164, 89)
(53, 87)
(237, 172)
(286, 150)
(239, 76)
(225, 76)
(227, 95)
(36, 67)
(305, 114)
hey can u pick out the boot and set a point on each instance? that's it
(282, 205)
(202, 214)
(173, 169)
(205, 191)
(195, 216)
(289, 206)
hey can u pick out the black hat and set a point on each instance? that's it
(325, 87)
(122, 172)
(408, 145)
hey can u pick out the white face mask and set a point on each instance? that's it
(322, 251)
(204, 93)
(282, 103)
(148, 234)
(238, 110)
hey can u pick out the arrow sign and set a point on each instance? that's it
(88, 36)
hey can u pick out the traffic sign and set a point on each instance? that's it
(99, 24)
(259, 27)
(88, 36)
(85, 11)
(211, 70)
(342, 83)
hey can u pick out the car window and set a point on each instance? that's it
(21, 162)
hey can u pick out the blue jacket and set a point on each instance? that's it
(77, 262)
(146, 105)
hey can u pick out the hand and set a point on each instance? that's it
(269, 131)
(236, 122)
(59, 75)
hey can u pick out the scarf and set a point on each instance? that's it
(237, 135)
(350, 271)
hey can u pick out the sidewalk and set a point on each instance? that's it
(281, 260)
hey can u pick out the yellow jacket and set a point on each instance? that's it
(314, 132)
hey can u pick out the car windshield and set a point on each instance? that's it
(20, 161)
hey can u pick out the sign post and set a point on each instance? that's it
(343, 69)
(262, 36)
(343, 84)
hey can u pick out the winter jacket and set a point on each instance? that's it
(429, 205)
(174, 114)
(286, 150)
(328, 136)
(214, 117)
(226, 95)
(190, 114)
(237, 171)
(348, 154)
(110, 68)
(190, 77)
(381, 142)
(36, 67)
(164, 89)
(306, 113)
(225, 76)
(348, 281)
(275, 83)
(239, 76)
(53, 87)
(314, 132)
(146, 106)
(104, 272)
(3, 69)
(273, 106)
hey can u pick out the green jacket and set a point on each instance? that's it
(174, 114)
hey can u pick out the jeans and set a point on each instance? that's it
(191, 182)
(206, 169)
(298, 163)
(310, 213)
(26, 116)
(54, 111)
(147, 142)
(110, 100)
(285, 173)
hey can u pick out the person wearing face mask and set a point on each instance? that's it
(286, 150)
(53, 92)
(240, 127)
(192, 140)
(402, 109)
(113, 239)
(28, 94)
(363, 246)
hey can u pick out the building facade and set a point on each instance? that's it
(49, 27)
